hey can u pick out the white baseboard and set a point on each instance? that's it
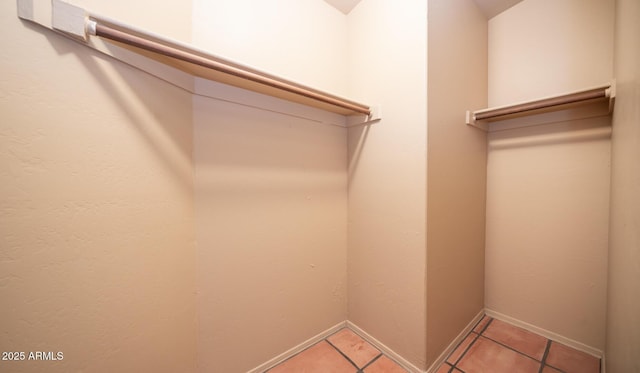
(546, 333)
(441, 359)
(297, 349)
(452, 346)
(384, 349)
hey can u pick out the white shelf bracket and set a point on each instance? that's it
(361, 120)
(471, 121)
(69, 19)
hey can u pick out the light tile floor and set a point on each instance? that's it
(493, 346)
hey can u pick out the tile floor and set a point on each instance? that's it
(493, 346)
(342, 352)
(497, 347)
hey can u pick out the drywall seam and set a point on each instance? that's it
(297, 349)
(546, 333)
(386, 350)
(452, 346)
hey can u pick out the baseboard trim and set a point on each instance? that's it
(384, 349)
(546, 333)
(441, 359)
(297, 349)
(452, 346)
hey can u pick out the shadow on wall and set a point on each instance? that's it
(161, 128)
(359, 135)
(592, 129)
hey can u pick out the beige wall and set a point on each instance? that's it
(548, 186)
(173, 19)
(271, 190)
(387, 163)
(540, 48)
(271, 231)
(96, 216)
(456, 166)
(97, 207)
(303, 40)
(547, 210)
(623, 316)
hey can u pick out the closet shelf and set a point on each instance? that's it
(596, 95)
(83, 26)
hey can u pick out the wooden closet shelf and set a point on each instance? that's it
(83, 26)
(482, 118)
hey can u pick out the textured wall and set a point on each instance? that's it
(96, 216)
(271, 230)
(271, 188)
(302, 40)
(387, 163)
(623, 312)
(548, 186)
(546, 47)
(456, 170)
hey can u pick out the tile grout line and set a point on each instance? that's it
(510, 348)
(371, 362)
(343, 355)
(486, 325)
(358, 370)
(558, 369)
(542, 361)
(499, 343)
(450, 367)
(466, 349)
(544, 356)
(472, 342)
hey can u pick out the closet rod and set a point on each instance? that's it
(96, 28)
(571, 98)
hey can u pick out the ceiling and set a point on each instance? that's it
(344, 6)
(490, 8)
